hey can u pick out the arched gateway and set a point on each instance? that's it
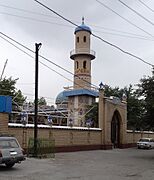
(112, 121)
(115, 129)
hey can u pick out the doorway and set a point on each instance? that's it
(115, 130)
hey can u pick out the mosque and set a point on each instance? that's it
(112, 112)
(81, 94)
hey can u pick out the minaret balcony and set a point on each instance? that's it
(82, 51)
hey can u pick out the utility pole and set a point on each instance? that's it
(37, 47)
(3, 69)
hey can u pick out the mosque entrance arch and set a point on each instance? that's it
(115, 129)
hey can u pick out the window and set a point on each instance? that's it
(84, 64)
(8, 143)
(77, 39)
(84, 39)
(77, 64)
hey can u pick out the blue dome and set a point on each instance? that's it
(61, 98)
(82, 27)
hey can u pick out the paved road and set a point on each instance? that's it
(117, 164)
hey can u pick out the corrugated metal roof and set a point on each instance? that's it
(79, 92)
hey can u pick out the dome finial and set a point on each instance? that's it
(82, 20)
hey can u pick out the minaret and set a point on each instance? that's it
(82, 93)
(82, 56)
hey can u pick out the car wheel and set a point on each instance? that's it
(9, 165)
(150, 147)
(138, 147)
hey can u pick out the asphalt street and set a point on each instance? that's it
(117, 164)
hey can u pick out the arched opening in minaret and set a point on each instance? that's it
(77, 64)
(84, 64)
(77, 39)
(84, 39)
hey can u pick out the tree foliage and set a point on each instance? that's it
(41, 101)
(135, 106)
(146, 91)
(92, 114)
(7, 88)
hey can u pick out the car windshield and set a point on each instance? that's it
(144, 140)
(11, 143)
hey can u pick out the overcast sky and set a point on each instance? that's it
(28, 23)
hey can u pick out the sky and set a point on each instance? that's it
(28, 23)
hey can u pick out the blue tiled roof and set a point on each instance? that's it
(61, 98)
(82, 27)
(79, 92)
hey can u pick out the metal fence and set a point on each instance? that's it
(45, 148)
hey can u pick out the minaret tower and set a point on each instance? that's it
(82, 56)
(82, 93)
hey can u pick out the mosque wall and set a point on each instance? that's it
(4, 122)
(67, 138)
(64, 137)
(76, 137)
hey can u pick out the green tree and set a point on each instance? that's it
(135, 106)
(7, 88)
(41, 101)
(92, 114)
(146, 91)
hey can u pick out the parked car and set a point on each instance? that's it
(10, 151)
(145, 143)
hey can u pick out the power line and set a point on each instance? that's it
(33, 57)
(64, 69)
(32, 12)
(60, 24)
(27, 11)
(117, 47)
(119, 31)
(15, 46)
(34, 19)
(146, 5)
(140, 15)
(125, 36)
(124, 18)
(39, 55)
(48, 61)
(57, 13)
(130, 54)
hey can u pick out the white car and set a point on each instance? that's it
(10, 151)
(145, 143)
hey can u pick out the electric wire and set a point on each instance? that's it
(45, 58)
(130, 54)
(38, 20)
(60, 24)
(33, 57)
(140, 15)
(34, 19)
(125, 36)
(104, 5)
(48, 66)
(27, 11)
(146, 5)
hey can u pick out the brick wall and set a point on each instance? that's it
(4, 123)
(63, 136)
